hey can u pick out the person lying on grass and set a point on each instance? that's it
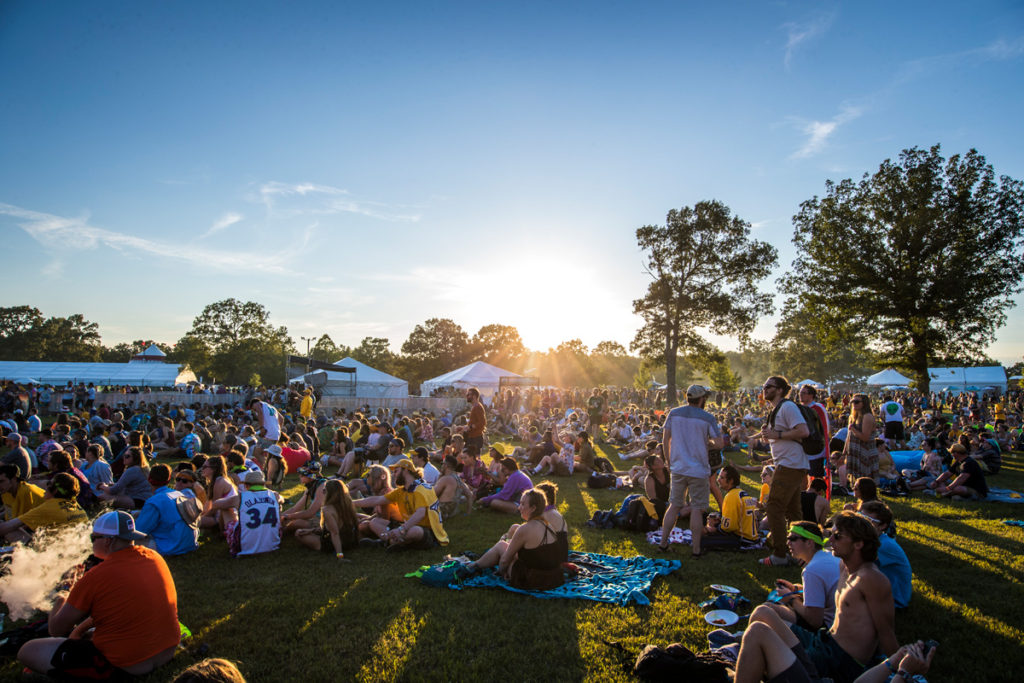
(421, 527)
(530, 555)
(810, 604)
(339, 530)
(931, 467)
(864, 608)
(561, 463)
(513, 483)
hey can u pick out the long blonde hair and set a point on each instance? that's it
(865, 408)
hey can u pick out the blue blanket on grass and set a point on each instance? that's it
(603, 578)
(1003, 496)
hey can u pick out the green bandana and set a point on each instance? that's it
(809, 535)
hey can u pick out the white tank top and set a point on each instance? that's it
(259, 522)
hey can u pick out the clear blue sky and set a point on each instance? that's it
(358, 168)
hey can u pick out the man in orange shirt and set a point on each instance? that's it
(129, 599)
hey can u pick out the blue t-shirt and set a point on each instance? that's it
(159, 519)
(690, 429)
(893, 562)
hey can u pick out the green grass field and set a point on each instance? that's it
(299, 615)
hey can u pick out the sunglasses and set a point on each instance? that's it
(856, 400)
(794, 538)
(835, 534)
(184, 480)
(769, 386)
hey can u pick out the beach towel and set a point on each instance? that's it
(602, 578)
(1014, 522)
(1004, 496)
(684, 537)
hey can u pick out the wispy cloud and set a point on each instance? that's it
(281, 198)
(227, 220)
(61, 233)
(798, 34)
(999, 50)
(818, 132)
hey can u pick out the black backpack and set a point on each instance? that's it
(814, 442)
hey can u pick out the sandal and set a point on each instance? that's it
(771, 561)
(665, 548)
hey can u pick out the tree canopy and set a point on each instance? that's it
(435, 347)
(26, 335)
(917, 261)
(231, 341)
(705, 269)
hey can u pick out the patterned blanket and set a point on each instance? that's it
(602, 578)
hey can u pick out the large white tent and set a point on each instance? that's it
(481, 375)
(369, 382)
(136, 373)
(887, 377)
(959, 379)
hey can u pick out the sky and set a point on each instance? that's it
(358, 168)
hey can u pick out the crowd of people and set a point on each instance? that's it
(387, 479)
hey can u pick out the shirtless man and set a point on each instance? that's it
(864, 609)
(450, 490)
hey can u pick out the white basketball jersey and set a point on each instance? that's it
(259, 522)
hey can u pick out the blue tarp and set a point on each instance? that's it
(604, 578)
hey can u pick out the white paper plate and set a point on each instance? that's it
(720, 618)
(722, 588)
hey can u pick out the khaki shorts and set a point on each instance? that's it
(696, 489)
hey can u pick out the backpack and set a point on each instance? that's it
(814, 442)
(601, 481)
(677, 663)
(441, 575)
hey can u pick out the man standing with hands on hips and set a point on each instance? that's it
(784, 429)
(689, 432)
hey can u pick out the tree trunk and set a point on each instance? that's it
(919, 360)
(670, 376)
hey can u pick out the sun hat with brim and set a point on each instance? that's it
(405, 464)
(254, 478)
(118, 524)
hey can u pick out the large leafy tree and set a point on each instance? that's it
(26, 335)
(16, 327)
(435, 347)
(917, 261)
(241, 342)
(375, 352)
(804, 350)
(498, 345)
(704, 269)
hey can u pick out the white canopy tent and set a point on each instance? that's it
(958, 379)
(887, 377)
(133, 373)
(816, 385)
(481, 375)
(369, 382)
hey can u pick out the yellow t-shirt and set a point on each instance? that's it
(28, 496)
(738, 514)
(53, 512)
(422, 496)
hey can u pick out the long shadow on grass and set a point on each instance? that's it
(967, 583)
(473, 633)
(955, 526)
